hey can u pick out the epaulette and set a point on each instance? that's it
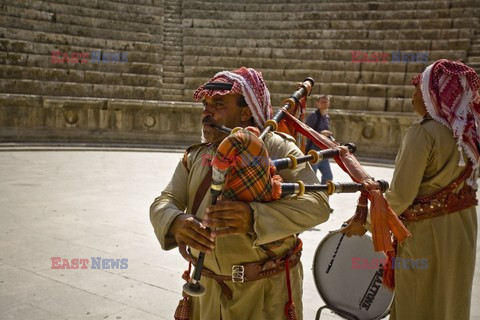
(285, 136)
(187, 151)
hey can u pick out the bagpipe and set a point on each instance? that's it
(237, 156)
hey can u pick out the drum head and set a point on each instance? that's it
(348, 274)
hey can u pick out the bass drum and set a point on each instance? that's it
(348, 275)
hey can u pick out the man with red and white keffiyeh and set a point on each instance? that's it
(240, 234)
(434, 192)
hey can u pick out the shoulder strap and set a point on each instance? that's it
(202, 191)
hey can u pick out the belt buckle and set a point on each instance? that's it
(238, 273)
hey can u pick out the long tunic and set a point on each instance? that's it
(281, 219)
(426, 162)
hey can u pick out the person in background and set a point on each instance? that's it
(320, 121)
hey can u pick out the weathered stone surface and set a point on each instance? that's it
(376, 134)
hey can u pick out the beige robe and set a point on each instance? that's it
(426, 162)
(261, 299)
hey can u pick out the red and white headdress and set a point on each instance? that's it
(450, 92)
(245, 81)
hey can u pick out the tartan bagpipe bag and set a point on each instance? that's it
(250, 175)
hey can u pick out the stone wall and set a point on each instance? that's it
(171, 47)
(27, 118)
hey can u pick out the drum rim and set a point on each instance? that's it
(325, 300)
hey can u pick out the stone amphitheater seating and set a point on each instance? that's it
(174, 45)
(291, 40)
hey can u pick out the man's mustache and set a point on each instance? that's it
(210, 122)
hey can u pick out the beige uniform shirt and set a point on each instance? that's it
(261, 299)
(427, 161)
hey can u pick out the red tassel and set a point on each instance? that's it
(183, 309)
(362, 208)
(389, 273)
(290, 311)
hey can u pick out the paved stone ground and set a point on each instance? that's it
(80, 204)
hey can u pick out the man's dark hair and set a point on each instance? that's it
(241, 102)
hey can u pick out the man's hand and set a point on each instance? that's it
(189, 231)
(232, 217)
(354, 228)
(327, 133)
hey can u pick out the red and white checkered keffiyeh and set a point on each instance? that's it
(450, 92)
(247, 82)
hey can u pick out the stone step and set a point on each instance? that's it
(170, 80)
(325, 76)
(319, 24)
(172, 63)
(61, 8)
(169, 74)
(175, 37)
(30, 47)
(343, 102)
(131, 7)
(172, 97)
(282, 12)
(174, 86)
(150, 3)
(409, 45)
(172, 21)
(173, 45)
(314, 14)
(292, 6)
(52, 10)
(172, 11)
(43, 61)
(344, 34)
(74, 89)
(173, 29)
(372, 6)
(85, 42)
(173, 32)
(69, 19)
(169, 56)
(304, 54)
(474, 59)
(79, 76)
(36, 25)
(338, 88)
(172, 92)
(191, 62)
(173, 69)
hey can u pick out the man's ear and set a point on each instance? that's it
(246, 114)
